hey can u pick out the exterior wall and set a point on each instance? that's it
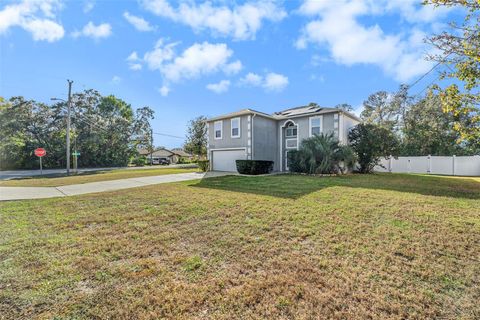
(346, 123)
(227, 141)
(265, 140)
(330, 124)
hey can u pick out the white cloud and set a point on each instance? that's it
(138, 22)
(116, 80)
(275, 82)
(351, 42)
(45, 30)
(317, 60)
(413, 11)
(219, 87)
(317, 77)
(133, 57)
(270, 82)
(233, 68)
(103, 30)
(134, 61)
(88, 6)
(36, 17)
(240, 22)
(199, 59)
(135, 66)
(155, 59)
(252, 79)
(164, 90)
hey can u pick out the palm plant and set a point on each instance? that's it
(322, 154)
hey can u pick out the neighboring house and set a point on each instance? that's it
(181, 154)
(250, 134)
(158, 155)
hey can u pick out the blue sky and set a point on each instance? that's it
(207, 58)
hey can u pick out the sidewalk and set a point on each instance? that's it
(22, 193)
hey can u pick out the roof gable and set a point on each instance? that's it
(301, 111)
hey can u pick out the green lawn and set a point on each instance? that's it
(276, 247)
(92, 176)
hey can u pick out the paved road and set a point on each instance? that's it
(15, 174)
(22, 193)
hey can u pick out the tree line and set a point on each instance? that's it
(105, 129)
(418, 126)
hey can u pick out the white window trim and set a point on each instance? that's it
(310, 125)
(286, 143)
(231, 128)
(215, 130)
(280, 140)
(293, 127)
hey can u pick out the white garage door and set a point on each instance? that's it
(224, 160)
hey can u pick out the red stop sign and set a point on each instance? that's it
(40, 152)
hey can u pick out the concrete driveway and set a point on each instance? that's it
(23, 193)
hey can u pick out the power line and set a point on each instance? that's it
(79, 116)
(168, 135)
(436, 65)
(426, 73)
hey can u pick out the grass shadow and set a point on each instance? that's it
(296, 186)
(62, 175)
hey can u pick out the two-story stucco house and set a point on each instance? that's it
(250, 134)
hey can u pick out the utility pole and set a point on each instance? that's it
(69, 102)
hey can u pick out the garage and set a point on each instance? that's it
(224, 160)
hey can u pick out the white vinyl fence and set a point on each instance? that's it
(454, 165)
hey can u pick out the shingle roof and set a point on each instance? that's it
(162, 153)
(287, 113)
(181, 153)
(143, 152)
(156, 153)
(240, 113)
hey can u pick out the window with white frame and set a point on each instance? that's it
(291, 143)
(218, 129)
(315, 125)
(290, 130)
(235, 132)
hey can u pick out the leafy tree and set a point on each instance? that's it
(428, 130)
(103, 130)
(387, 110)
(344, 106)
(142, 129)
(24, 126)
(460, 51)
(372, 142)
(321, 154)
(400, 104)
(197, 137)
(379, 110)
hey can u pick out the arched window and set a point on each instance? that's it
(290, 130)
